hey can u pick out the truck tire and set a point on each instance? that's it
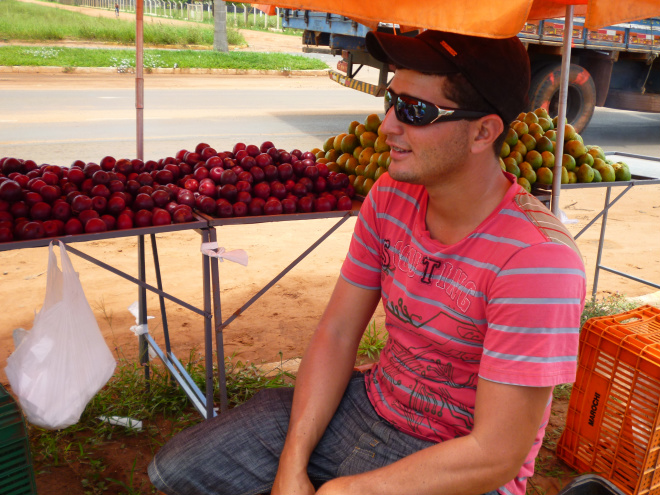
(581, 102)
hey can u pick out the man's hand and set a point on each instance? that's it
(507, 419)
(292, 484)
(324, 372)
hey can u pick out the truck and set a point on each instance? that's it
(614, 67)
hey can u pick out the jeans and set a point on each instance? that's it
(237, 452)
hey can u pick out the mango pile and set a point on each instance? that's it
(529, 152)
(360, 152)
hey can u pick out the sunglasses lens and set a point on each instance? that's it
(413, 112)
(409, 110)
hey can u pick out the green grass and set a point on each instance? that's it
(124, 59)
(23, 21)
(372, 341)
(608, 305)
(89, 447)
(35, 23)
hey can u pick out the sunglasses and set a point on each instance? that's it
(414, 111)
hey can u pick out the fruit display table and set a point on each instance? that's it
(342, 216)
(636, 180)
(211, 310)
(203, 402)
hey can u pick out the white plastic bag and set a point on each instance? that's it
(63, 361)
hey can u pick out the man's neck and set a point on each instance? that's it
(455, 208)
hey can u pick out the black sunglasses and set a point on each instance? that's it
(414, 111)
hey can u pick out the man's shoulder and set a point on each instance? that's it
(528, 208)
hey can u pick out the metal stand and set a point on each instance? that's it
(202, 402)
(212, 310)
(628, 185)
(238, 312)
(601, 242)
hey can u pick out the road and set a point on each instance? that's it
(64, 117)
(61, 118)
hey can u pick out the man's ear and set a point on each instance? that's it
(486, 130)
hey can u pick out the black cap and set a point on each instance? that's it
(498, 69)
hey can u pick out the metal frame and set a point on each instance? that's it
(628, 185)
(212, 309)
(202, 402)
(220, 325)
(345, 216)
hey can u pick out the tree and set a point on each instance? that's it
(220, 26)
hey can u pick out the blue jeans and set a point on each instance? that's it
(238, 451)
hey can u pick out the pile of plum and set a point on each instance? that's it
(45, 200)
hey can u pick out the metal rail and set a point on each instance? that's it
(212, 310)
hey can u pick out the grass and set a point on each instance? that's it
(124, 59)
(239, 22)
(608, 305)
(24, 21)
(372, 341)
(35, 23)
(234, 22)
(86, 446)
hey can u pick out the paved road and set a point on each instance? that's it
(629, 132)
(61, 118)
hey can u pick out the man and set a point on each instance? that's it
(483, 290)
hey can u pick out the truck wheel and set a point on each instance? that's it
(581, 102)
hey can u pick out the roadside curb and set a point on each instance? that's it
(183, 71)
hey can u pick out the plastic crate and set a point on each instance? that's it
(612, 424)
(16, 471)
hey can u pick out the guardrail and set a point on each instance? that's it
(199, 12)
(159, 8)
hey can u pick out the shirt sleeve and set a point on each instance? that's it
(362, 265)
(533, 314)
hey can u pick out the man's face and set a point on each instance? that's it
(428, 154)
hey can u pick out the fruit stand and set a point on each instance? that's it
(203, 402)
(636, 180)
(196, 190)
(211, 310)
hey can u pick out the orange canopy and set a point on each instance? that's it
(492, 18)
(265, 8)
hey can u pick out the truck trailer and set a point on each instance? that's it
(613, 67)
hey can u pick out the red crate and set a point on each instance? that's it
(612, 424)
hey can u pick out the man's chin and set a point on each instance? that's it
(403, 175)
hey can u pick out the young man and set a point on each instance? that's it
(483, 290)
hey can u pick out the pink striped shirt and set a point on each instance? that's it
(503, 304)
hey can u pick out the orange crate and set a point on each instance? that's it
(612, 424)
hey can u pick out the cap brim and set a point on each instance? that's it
(408, 53)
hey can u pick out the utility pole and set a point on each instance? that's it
(220, 26)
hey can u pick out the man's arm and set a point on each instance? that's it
(506, 421)
(322, 378)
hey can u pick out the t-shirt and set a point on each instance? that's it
(503, 304)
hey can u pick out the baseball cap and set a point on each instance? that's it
(498, 69)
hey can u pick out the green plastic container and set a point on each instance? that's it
(16, 470)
